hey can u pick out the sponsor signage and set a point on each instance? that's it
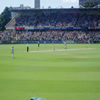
(19, 28)
(97, 27)
(10, 28)
(80, 41)
(51, 28)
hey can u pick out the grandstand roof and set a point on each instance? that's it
(53, 9)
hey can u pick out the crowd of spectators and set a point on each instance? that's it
(57, 35)
(58, 20)
(7, 36)
(88, 21)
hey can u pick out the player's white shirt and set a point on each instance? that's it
(12, 50)
(27, 45)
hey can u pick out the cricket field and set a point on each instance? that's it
(63, 74)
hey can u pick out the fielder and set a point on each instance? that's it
(65, 44)
(12, 51)
(45, 43)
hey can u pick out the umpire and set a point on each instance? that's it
(27, 47)
(38, 43)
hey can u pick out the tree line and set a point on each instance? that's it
(90, 4)
(5, 17)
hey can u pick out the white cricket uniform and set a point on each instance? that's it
(12, 51)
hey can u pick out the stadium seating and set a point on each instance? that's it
(57, 35)
(58, 20)
(53, 19)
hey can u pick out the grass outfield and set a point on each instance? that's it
(72, 74)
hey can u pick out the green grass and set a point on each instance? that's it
(59, 75)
